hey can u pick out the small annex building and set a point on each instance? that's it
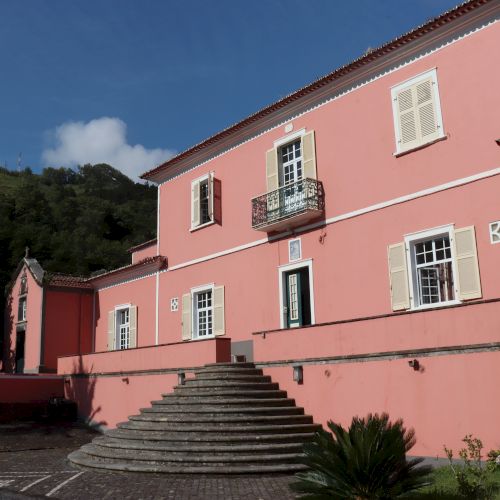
(346, 239)
(47, 315)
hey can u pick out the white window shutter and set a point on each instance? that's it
(398, 274)
(132, 326)
(424, 95)
(111, 331)
(309, 155)
(407, 119)
(468, 279)
(417, 114)
(272, 170)
(211, 195)
(219, 323)
(186, 316)
(195, 203)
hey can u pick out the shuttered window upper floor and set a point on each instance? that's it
(417, 112)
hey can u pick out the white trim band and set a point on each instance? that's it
(348, 215)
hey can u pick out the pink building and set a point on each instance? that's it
(47, 316)
(348, 231)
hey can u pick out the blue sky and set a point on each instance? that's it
(132, 81)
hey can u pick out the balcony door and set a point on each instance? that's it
(292, 172)
(298, 297)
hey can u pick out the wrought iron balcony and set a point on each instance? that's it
(288, 206)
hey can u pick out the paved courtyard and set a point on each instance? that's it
(33, 464)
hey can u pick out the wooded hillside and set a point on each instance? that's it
(73, 221)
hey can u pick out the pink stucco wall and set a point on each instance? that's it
(354, 147)
(68, 325)
(355, 162)
(450, 396)
(33, 324)
(141, 293)
(106, 400)
(438, 328)
(142, 253)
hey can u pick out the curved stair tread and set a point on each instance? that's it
(229, 419)
(81, 459)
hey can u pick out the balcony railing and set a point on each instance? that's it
(288, 205)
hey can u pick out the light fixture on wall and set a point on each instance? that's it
(413, 363)
(181, 378)
(298, 374)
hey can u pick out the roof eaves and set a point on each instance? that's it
(367, 58)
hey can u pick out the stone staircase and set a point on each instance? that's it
(229, 419)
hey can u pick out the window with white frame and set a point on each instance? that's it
(202, 201)
(202, 314)
(123, 328)
(432, 269)
(22, 308)
(417, 112)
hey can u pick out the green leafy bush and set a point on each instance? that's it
(366, 461)
(474, 479)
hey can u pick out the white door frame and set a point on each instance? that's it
(281, 276)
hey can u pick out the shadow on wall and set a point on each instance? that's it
(80, 387)
(8, 351)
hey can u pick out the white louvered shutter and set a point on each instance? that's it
(272, 177)
(186, 316)
(468, 279)
(195, 203)
(111, 331)
(309, 155)
(211, 195)
(132, 326)
(417, 115)
(398, 274)
(219, 323)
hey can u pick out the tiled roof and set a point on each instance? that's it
(142, 245)
(160, 260)
(66, 280)
(367, 58)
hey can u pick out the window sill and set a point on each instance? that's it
(201, 226)
(436, 305)
(397, 154)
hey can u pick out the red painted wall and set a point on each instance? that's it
(29, 388)
(67, 325)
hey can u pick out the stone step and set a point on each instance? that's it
(229, 418)
(160, 457)
(221, 428)
(246, 411)
(228, 379)
(180, 438)
(228, 366)
(216, 372)
(173, 401)
(176, 447)
(217, 385)
(221, 419)
(196, 392)
(82, 459)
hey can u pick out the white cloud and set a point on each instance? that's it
(103, 140)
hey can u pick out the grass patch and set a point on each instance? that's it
(445, 486)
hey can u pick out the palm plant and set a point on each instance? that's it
(366, 461)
